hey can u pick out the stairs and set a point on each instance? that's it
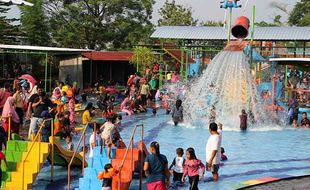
(15, 154)
(128, 167)
(96, 165)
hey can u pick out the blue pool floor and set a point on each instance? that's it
(260, 152)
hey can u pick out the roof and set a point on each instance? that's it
(303, 62)
(17, 2)
(41, 48)
(108, 56)
(220, 33)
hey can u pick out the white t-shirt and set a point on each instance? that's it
(108, 130)
(214, 143)
(178, 164)
(91, 141)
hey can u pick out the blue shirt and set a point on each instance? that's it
(156, 167)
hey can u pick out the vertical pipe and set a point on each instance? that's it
(252, 24)
(50, 87)
(84, 144)
(285, 82)
(141, 157)
(161, 65)
(229, 25)
(9, 131)
(95, 132)
(138, 60)
(304, 50)
(273, 92)
(186, 64)
(52, 161)
(182, 62)
(45, 83)
(91, 68)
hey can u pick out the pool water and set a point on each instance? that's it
(259, 152)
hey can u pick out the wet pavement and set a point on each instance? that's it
(300, 183)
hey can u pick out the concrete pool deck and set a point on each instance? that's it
(294, 183)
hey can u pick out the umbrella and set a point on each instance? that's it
(17, 2)
(30, 79)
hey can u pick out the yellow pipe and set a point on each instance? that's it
(9, 130)
(52, 161)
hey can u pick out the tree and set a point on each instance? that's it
(9, 32)
(35, 24)
(100, 24)
(300, 16)
(173, 14)
(142, 57)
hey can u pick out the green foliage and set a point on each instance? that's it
(173, 14)
(35, 24)
(300, 16)
(9, 32)
(212, 23)
(143, 57)
(100, 24)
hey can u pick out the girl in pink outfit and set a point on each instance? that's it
(125, 107)
(72, 111)
(191, 169)
(175, 77)
(9, 111)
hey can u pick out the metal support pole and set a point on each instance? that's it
(141, 159)
(84, 144)
(252, 24)
(138, 54)
(52, 160)
(50, 89)
(186, 64)
(285, 83)
(182, 62)
(229, 25)
(45, 83)
(9, 130)
(161, 65)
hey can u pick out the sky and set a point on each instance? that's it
(205, 10)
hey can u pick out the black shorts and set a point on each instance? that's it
(20, 113)
(177, 176)
(143, 99)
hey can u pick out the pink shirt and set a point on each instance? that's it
(191, 167)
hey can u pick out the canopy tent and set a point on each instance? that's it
(302, 63)
(17, 2)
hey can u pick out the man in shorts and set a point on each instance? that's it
(213, 151)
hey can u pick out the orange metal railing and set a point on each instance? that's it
(32, 144)
(131, 145)
(83, 137)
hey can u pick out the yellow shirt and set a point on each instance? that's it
(86, 117)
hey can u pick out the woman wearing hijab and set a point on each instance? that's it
(9, 111)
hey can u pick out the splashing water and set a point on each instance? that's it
(228, 85)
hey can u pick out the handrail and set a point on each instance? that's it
(9, 129)
(126, 153)
(32, 144)
(83, 136)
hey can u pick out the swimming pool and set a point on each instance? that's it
(259, 152)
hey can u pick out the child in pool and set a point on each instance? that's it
(243, 120)
(106, 176)
(69, 143)
(191, 169)
(178, 165)
(223, 156)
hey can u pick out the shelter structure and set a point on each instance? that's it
(15, 61)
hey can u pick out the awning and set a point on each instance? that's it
(108, 56)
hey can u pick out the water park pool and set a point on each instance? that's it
(260, 152)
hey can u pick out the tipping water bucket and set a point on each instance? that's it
(241, 27)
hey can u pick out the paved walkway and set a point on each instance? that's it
(302, 183)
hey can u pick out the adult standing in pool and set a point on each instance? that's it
(156, 169)
(213, 151)
(243, 120)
